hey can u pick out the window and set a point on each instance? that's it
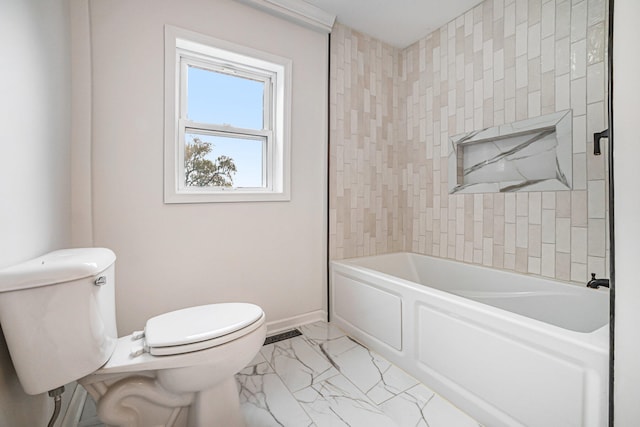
(226, 121)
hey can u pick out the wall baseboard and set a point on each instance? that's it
(278, 326)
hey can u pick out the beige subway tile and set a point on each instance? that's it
(534, 109)
(597, 243)
(563, 266)
(596, 11)
(477, 234)
(563, 18)
(498, 204)
(579, 134)
(596, 42)
(522, 232)
(578, 208)
(578, 61)
(522, 204)
(534, 240)
(509, 19)
(549, 200)
(510, 207)
(487, 221)
(579, 272)
(533, 40)
(596, 265)
(522, 10)
(548, 260)
(468, 251)
(596, 120)
(548, 19)
(444, 249)
(595, 164)
(509, 261)
(477, 256)
(460, 219)
(521, 260)
(548, 226)
(535, 208)
(487, 251)
(579, 244)
(548, 91)
(578, 20)
(563, 92)
(459, 248)
(498, 229)
(580, 171)
(522, 71)
(533, 266)
(596, 83)
(597, 200)
(498, 34)
(510, 238)
(563, 57)
(547, 54)
(579, 95)
(563, 235)
(563, 204)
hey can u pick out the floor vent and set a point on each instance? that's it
(282, 336)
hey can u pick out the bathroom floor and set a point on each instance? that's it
(323, 378)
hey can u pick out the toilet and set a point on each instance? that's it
(57, 313)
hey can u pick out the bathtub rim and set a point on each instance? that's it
(596, 340)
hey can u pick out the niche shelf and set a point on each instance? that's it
(527, 155)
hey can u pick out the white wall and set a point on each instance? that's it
(34, 158)
(173, 256)
(627, 211)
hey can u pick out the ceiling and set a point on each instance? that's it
(396, 22)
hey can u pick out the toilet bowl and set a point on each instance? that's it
(58, 316)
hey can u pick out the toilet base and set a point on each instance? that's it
(140, 401)
(217, 407)
(195, 389)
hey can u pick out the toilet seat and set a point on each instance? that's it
(199, 328)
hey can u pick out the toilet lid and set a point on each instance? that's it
(197, 324)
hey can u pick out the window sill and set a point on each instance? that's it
(226, 196)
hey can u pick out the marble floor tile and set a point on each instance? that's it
(421, 407)
(441, 413)
(321, 332)
(336, 402)
(370, 372)
(266, 402)
(407, 409)
(297, 363)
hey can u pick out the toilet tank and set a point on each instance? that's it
(57, 313)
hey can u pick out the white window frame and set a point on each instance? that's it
(184, 48)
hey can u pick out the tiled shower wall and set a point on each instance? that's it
(366, 206)
(394, 110)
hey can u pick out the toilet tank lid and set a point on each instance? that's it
(56, 267)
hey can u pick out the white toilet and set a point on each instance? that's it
(57, 313)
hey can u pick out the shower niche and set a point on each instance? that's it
(527, 155)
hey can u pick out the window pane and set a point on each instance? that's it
(222, 161)
(223, 99)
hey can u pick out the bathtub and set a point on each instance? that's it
(508, 349)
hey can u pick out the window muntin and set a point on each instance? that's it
(234, 101)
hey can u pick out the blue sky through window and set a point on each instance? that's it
(223, 99)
